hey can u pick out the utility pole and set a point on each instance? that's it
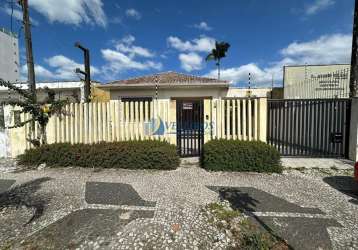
(29, 54)
(353, 85)
(86, 73)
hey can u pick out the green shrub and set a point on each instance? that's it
(149, 154)
(241, 156)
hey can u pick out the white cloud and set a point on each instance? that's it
(17, 14)
(71, 12)
(125, 45)
(318, 5)
(191, 61)
(60, 68)
(202, 44)
(241, 74)
(202, 26)
(328, 49)
(40, 72)
(119, 62)
(133, 13)
(124, 58)
(65, 67)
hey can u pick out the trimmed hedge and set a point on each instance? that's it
(148, 154)
(241, 156)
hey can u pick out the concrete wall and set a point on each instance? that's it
(99, 95)
(9, 57)
(353, 135)
(311, 81)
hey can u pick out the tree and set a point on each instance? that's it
(218, 53)
(40, 112)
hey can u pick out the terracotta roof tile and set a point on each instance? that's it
(167, 78)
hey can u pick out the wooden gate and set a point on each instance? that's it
(311, 128)
(190, 127)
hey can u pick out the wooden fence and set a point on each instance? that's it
(240, 118)
(236, 118)
(103, 121)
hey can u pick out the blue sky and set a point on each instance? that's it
(133, 38)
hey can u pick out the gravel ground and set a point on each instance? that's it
(177, 221)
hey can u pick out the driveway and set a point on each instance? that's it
(123, 209)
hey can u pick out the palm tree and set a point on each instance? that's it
(217, 53)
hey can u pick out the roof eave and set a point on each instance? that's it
(163, 85)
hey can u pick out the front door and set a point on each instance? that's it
(190, 127)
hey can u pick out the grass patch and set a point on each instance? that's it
(222, 213)
(243, 232)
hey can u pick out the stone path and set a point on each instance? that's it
(304, 231)
(123, 209)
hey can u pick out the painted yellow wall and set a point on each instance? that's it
(99, 94)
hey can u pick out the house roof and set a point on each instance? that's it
(166, 78)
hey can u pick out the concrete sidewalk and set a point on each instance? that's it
(321, 163)
(123, 209)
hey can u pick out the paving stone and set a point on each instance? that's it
(114, 194)
(300, 233)
(254, 200)
(179, 196)
(5, 185)
(322, 163)
(81, 226)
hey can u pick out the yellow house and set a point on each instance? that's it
(195, 104)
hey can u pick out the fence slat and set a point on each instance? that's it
(256, 118)
(122, 119)
(239, 120)
(234, 131)
(222, 119)
(244, 116)
(136, 120)
(227, 106)
(249, 116)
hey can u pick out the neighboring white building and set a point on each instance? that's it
(9, 71)
(64, 90)
(9, 56)
(316, 81)
(72, 91)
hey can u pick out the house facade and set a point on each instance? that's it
(172, 85)
(182, 109)
(189, 110)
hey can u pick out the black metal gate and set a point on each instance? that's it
(311, 128)
(190, 127)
